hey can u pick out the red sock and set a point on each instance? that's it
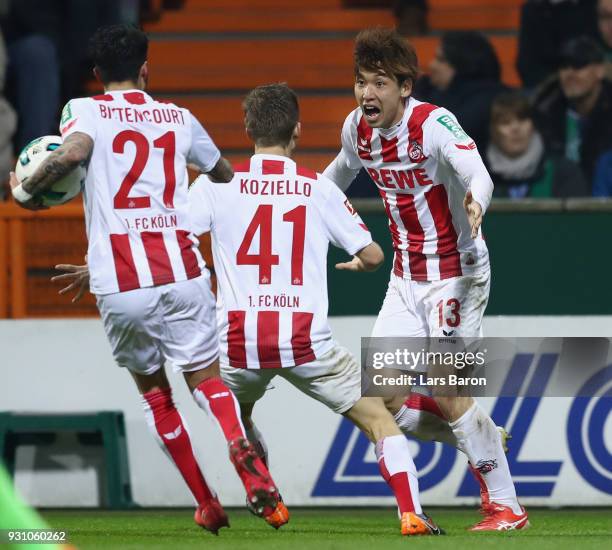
(396, 467)
(218, 400)
(169, 430)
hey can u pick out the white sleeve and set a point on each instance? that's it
(344, 226)
(344, 168)
(200, 211)
(339, 171)
(203, 152)
(448, 142)
(77, 116)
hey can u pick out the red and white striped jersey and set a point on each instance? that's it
(423, 167)
(271, 227)
(136, 190)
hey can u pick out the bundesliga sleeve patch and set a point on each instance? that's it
(66, 114)
(453, 127)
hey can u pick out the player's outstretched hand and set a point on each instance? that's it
(77, 277)
(33, 203)
(354, 265)
(474, 213)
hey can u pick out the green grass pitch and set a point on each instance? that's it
(324, 529)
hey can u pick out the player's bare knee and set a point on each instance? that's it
(195, 377)
(156, 381)
(373, 418)
(453, 407)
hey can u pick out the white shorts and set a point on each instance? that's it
(334, 380)
(174, 322)
(451, 307)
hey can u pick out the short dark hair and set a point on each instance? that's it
(271, 113)
(118, 52)
(385, 49)
(513, 104)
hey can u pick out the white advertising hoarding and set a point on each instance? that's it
(561, 452)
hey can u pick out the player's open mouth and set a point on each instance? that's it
(371, 112)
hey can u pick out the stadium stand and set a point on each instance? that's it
(205, 56)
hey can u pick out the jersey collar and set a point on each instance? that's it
(393, 131)
(258, 160)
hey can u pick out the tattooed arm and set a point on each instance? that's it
(74, 151)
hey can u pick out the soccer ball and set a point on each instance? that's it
(30, 158)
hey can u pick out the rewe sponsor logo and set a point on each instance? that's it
(399, 179)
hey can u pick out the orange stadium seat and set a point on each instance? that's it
(323, 64)
(474, 14)
(257, 20)
(222, 116)
(205, 56)
(281, 5)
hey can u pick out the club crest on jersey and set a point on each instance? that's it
(415, 152)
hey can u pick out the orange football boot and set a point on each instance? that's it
(419, 524)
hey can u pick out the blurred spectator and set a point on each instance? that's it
(8, 122)
(574, 110)
(47, 48)
(604, 21)
(464, 77)
(545, 26)
(32, 29)
(602, 180)
(411, 16)
(517, 160)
